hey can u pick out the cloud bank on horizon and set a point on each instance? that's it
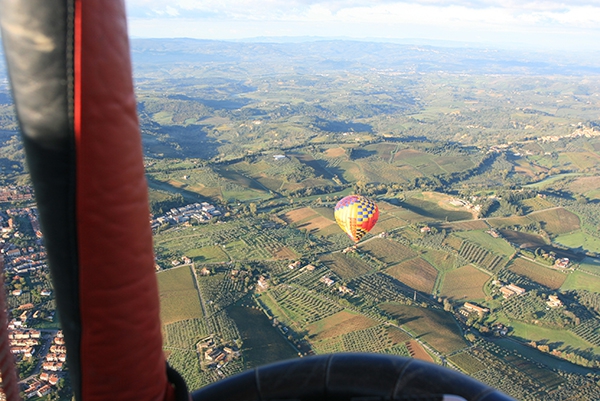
(545, 24)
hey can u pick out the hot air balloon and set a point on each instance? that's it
(356, 215)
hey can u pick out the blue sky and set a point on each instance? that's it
(542, 24)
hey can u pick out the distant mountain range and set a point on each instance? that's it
(317, 55)
(313, 55)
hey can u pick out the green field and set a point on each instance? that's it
(550, 180)
(430, 208)
(496, 245)
(437, 328)
(209, 254)
(580, 280)
(590, 265)
(562, 339)
(261, 342)
(580, 240)
(179, 298)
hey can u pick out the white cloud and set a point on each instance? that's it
(449, 19)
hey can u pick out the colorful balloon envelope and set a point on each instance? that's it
(356, 215)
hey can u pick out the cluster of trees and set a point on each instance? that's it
(163, 206)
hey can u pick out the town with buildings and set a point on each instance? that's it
(35, 339)
(200, 212)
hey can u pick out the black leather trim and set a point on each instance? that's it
(38, 44)
(348, 377)
(181, 390)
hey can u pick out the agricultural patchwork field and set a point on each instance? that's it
(319, 225)
(497, 245)
(379, 338)
(464, 225)
(387, 222)
(563, 339)
(527, 240)
(582, 185)
(467, 362)
(590, 265)
(347, 266)
(339, 324)
(429, 206)
(301, 306)
(535, 204)
(416, 350)
(556, 221)
(441, 260)
(481, 257)
(179, 299)
(262, 343)
(581, 280)
(580, 239)
(416, 273)
(435, 327)
(387, 250)
(209, 254)
(465, 283)
(298, 215)
(545, 276)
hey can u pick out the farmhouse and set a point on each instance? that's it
(350, 249)
(493, 233)
(516, 289)
(345, 290)
(554, 301)
(214, 354)
(475, 308)
(563, 263)
(232, 352)
(262, 283)
(327, 281)
(500, 330)
(510, 290)
(44, 390)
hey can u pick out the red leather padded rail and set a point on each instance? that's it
(121, 344)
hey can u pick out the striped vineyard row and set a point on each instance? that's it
(184, 334)
(589, 331)
(302, 306)
(379, 287)
(373, 339)
(481, 257)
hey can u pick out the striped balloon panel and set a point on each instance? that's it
(356, 215)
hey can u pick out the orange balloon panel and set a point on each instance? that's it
(356, 215)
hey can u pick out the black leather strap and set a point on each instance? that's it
(349, 377)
